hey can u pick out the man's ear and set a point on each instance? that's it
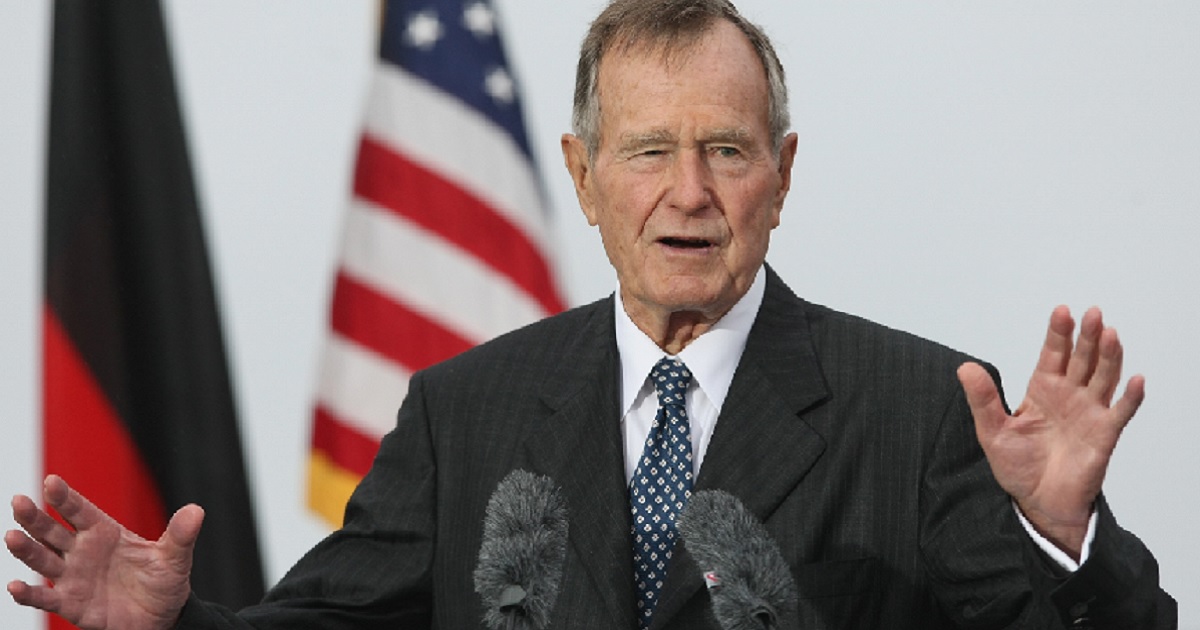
(787, 156)
(575, 156)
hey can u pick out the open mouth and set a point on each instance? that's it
(685, 243)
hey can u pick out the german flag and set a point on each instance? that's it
(138, 407)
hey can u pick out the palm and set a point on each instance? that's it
(1052, 453)
(102, 575)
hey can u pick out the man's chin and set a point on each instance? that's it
(700, 295)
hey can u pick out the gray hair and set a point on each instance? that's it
(669, 25)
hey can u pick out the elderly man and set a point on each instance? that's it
(858, 447)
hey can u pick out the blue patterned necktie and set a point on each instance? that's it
(661, 484)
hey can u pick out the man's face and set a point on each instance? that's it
(684, 184)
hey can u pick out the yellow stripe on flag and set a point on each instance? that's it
(329, 488)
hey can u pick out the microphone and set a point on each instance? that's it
(749, 582)
(523, 552)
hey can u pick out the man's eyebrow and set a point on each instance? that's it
(635, 139)
(723, 135)
(731, 135)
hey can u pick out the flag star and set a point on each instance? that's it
(424, 30)
(479, 19)
(500, 86)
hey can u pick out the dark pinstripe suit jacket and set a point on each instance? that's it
(850, 441)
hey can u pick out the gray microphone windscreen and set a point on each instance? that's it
(523, 551)
(750, 584)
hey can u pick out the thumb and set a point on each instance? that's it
(178, 542)
(983, 398)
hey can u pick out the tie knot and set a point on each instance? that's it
(671, 379)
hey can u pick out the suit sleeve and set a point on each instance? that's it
(1117, 587)
(972, 545)
(376, 572)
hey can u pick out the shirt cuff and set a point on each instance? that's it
(1058, 555)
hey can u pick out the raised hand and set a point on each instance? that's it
(1052, 453)
(102, 575)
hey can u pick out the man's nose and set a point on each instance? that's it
(690, 181)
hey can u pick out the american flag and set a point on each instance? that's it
(445, 242)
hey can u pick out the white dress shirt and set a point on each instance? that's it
(711, 358)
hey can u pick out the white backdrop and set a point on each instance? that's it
(962, 169)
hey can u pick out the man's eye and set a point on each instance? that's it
(727, 152)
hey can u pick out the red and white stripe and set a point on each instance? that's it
(445, 245)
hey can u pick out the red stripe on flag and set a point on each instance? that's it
(346, 446)
(375, 321)
(424, 197)
(87, 444)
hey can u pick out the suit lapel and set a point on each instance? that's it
(761, 448)
(579, 446)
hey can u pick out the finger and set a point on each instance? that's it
(33, 555)
(1056, 350)
(984, 400)
(40, 525)
(1108, 371)
(75, 509)
(41, 597)
(1083, 360)
(1130, 401)
(179, 540)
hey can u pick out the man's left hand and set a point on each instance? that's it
(1052, 453)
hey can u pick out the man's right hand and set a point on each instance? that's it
(101, 575)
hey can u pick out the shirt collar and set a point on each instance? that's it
(712, 358)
